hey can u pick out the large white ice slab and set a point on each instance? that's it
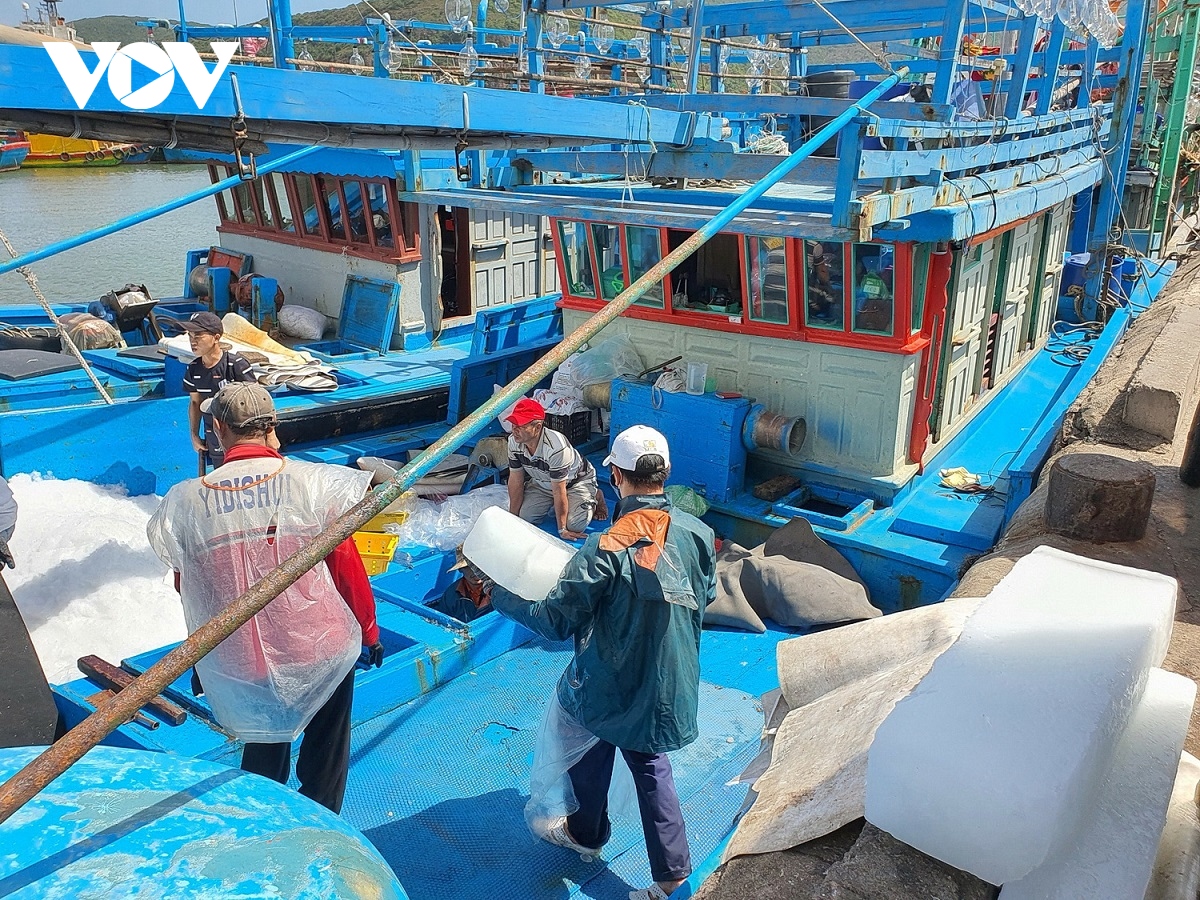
(842, 684)
(515, 554)
(1112, 856)
(996, 753)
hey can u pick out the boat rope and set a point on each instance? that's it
(31, 280)
(393, 28)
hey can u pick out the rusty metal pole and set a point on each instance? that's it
(56, 759)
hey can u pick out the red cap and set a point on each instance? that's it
(526, 411)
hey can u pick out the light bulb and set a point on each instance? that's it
(501, 6)
(583, 67)
(603, 37)
(468, 59)
(356, 58)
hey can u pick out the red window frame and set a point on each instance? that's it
(405, 217)
(902, 340)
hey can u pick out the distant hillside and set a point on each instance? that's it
(123, 29)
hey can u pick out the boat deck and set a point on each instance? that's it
(443, 738)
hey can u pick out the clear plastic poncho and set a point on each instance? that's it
(223, 533)
(561, 743)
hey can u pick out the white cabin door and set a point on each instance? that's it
(507, 250)
(969, 319)
(1056, 243)
(1024, 251)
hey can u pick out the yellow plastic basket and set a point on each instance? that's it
(376, 549)
(385, 518)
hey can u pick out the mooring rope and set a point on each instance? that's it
(31, 280)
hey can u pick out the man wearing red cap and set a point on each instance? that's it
(545, 471)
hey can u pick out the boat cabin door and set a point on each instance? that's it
(969, 320)
(493, 257)
(1017, 284)
(1054, 243)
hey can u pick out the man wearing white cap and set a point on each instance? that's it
(632, 599)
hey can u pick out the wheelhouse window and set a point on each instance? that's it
(576, 259)
(283, 207)
(874, 288)
(824, 285)
(609, 259)
(359, 216)
(331, 201)
(306, 200)
(708, 281)
(381, 214)
(645, 252)
(827, 292)
(767, 279)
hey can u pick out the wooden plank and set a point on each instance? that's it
(915, 163)
(679, 164)
(779, 104)
(878, 208)
(1022, 126)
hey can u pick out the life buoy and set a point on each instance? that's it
(118, 154)
(90, 156)
(65, 156)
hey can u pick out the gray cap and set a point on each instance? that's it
(241, 404)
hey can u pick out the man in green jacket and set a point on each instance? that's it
(632, 599)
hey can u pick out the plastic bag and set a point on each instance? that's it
(561, 743)
(302, 322)
(685, 499)
(444, 526)
(612, 358)
(503, 415)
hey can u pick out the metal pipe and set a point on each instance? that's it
(55, 760)
(145, 215)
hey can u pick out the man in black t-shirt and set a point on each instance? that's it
(211, 370)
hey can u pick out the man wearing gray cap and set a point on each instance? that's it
(211, 370)
(290, 669)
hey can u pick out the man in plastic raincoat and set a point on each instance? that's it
(290, 669)
(632, 598)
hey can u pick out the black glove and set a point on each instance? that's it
(375, 655)
(6, 557)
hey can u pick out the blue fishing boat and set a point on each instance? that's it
(868, 230)
(13, 150)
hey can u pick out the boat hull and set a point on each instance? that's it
(50, 152)
(12, 154)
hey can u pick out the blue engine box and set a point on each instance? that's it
(703, 431)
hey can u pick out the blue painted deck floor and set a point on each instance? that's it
(439, 785)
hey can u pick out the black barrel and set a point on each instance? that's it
(834, 84)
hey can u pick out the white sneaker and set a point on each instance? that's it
(654, 892)
(558, 835)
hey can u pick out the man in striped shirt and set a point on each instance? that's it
(546, 472)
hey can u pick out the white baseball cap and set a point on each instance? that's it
(633, 443)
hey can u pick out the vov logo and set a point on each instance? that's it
(165, 62)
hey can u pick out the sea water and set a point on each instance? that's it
(41, 206)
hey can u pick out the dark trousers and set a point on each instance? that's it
(662, 819)
(324, 752)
